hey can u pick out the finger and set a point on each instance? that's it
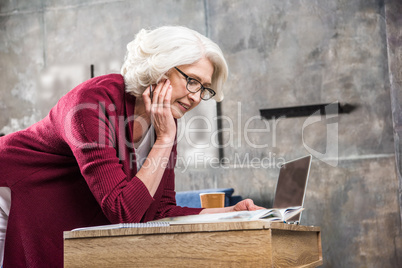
(255, 207)
(156, 91)
(162, 92)
(168, 96)
(166, 101)
(249, 204)
(242, 205)
(146, 97)
(162, 95)
(154, 100)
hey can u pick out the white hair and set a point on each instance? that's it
(153, 53)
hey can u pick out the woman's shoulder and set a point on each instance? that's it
(105, 88)
(101, 92)
(107, 80)
(109, 83)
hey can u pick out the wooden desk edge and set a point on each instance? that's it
(313, 264)
(189, 228)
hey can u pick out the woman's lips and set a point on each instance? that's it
(184, 107)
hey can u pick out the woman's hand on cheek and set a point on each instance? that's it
(160, 113)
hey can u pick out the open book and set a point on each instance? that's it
(271, 214)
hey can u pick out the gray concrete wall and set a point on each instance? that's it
(280, 54)
(393, 11)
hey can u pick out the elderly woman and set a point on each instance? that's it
(106, 152)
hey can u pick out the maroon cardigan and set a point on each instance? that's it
(76, 168)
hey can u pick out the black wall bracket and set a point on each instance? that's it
(307, 110)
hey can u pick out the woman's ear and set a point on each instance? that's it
(168, 73)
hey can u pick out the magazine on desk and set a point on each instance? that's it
(271, 214)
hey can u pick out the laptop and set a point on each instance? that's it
(292, 184)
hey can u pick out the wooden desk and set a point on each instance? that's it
(229, 244)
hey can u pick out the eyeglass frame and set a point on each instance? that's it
(202, 88)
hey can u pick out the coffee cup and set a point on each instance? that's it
(212, 200)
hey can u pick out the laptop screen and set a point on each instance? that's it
(292, 183)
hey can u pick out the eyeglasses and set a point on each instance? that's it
(194, 86)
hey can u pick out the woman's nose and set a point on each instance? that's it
(195, 97)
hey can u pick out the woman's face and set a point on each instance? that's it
(183, 100)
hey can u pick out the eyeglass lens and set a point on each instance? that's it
(194, 86)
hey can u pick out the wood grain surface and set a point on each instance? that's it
(241, 244)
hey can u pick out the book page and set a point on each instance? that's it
(289, 212)
(266, 214)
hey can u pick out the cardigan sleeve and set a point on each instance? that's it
(94, 130)
(167, 206)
